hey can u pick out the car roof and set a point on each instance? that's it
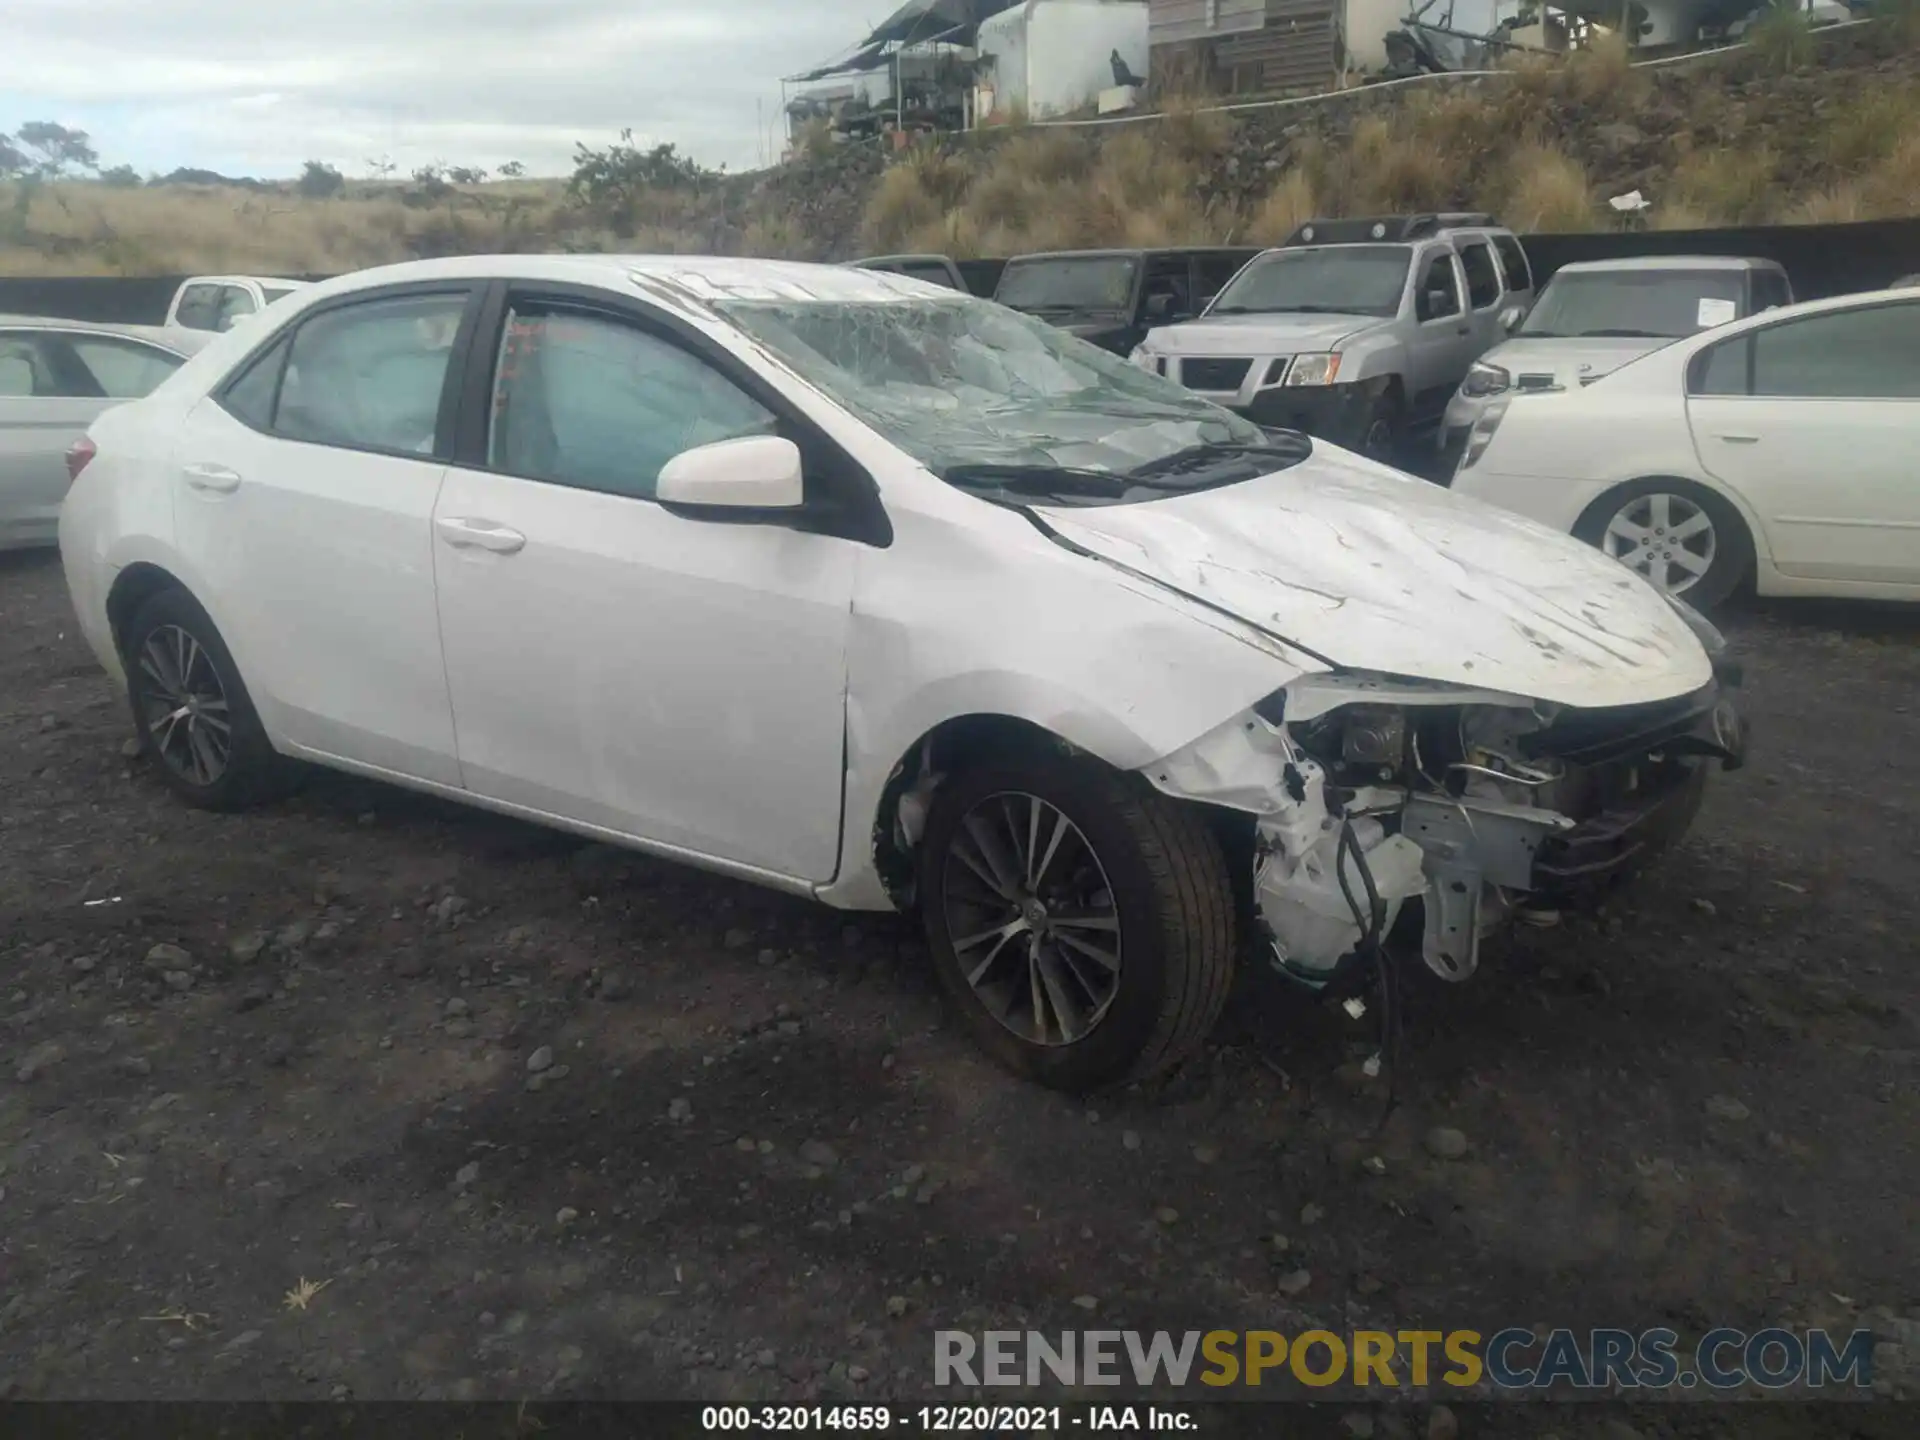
(150, 334)
(274, 282)
(686, 279)
(1672, 262)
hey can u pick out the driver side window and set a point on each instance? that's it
(1439, 293)
(592, 402)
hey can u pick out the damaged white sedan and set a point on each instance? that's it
(860, 588)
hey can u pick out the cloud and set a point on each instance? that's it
(242, 87)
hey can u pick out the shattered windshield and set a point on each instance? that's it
(1074, 282)
(1654, 304)
(1009, 407)
(1342, 280)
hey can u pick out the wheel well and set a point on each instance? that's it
(951, 746)
(954, 745)
(131, 588)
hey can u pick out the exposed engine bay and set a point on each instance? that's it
(1368, 793)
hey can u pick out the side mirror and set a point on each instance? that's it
(1161, 308)
(755, 472)
(1511, 317)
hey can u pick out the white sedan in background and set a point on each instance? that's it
(1785, 448)
(56, 377)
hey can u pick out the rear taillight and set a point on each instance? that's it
(78, 454)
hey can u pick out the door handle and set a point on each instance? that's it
(214, 478)
(1465, 330)
(464, 534)
(1741, 439)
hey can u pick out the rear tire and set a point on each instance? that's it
(1127, 872)
(1680, 537)
(191, 711)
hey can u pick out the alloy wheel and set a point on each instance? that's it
(1666, 537)
(183, 706)
(1031, 918)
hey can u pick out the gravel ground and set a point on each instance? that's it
(366, 1096)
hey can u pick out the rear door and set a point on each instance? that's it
(303, 497)
(1815, 422)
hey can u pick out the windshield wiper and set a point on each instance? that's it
(1044, 482)
(1622, 335)
(1269, 456)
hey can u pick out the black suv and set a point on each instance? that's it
(1113, 297)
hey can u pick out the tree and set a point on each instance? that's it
(49, 151)
(512, 170)
(41, 150)
(320, 181)
(381, 167)
(466, 175)
(612, 182)
(121, 177)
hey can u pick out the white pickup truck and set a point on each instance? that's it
(218, 302)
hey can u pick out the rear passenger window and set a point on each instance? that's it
(366, 376)
(250, 398)
(1514, 261)
(1722, 369)
(122, 369)
(369, 376)
(20, 369)
(1483, 279)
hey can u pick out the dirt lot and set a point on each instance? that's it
(550, 1121)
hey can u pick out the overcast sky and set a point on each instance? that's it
(259, 86)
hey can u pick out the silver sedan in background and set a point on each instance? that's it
(56, 376)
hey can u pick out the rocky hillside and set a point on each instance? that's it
(1795, 127)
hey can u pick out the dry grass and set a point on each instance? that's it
(80, 229)
(1733, 184)
(1548, 191)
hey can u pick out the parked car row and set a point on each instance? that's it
(1388, 335)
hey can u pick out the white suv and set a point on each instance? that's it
(853, 586)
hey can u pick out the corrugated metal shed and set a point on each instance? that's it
(1246, 46)
(1172, 21)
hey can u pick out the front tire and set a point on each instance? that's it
(1082, 924)
(191, 711)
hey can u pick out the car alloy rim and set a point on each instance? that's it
(184, 706)
(1031, 918)
(1379, 438)
(1667, 538)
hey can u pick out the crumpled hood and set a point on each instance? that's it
(1572, 360)
(1374, 570)
(1258, 334)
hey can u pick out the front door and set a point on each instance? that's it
(1442, 346)
(304, 489)
(1815, 422)
(675, 679)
